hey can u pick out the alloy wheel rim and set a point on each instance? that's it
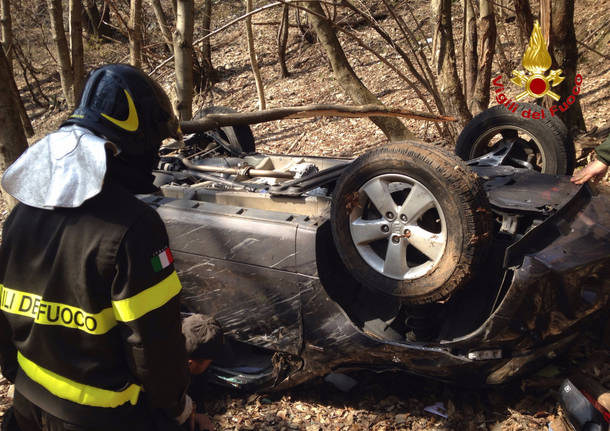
(398, 227)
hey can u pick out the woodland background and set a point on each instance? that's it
(437, 56)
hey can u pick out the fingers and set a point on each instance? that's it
(593, 170)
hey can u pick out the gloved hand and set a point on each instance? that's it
(187, 411)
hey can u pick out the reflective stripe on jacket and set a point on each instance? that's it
(89, 296)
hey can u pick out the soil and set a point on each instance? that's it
(386, 401)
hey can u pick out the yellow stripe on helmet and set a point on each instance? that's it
(130, 124)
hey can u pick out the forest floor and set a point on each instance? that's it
(378, 402)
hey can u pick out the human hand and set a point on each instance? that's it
(594, 170)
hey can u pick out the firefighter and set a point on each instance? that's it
(90, 326)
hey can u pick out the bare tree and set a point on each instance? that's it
(206, 49)
(12, 138)
(162, 21)
(525, 19)
(76, 45)
(565, 53)
(135, 33)
(469, 50)
(445, 65)
(347, 78)
(183, 51)
(260, 90)
(63, 53)
(7, 31)
(96, 22)
(487, 44)
(282, 39)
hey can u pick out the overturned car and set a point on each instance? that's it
(407, 258)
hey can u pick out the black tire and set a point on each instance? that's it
(544, 143)
(464, 221)
(240, 138)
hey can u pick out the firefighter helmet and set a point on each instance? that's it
(124, 105)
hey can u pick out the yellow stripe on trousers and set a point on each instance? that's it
(79, 393)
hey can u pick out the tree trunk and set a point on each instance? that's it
(7, 31)
(470, 50)
(135, 33)
(25, 120)
(260, 90)
(96, 24)
(162, 21)
(565, 53)
(545, 20)
(63, 53)
(487, 45)
(76, 45)
(525, 20)
(282, 40)
(444, 61)
(183, 50)
(206, 49)
(12, 138)
(347, 78)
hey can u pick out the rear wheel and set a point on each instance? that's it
(411, 221)
(498, 136)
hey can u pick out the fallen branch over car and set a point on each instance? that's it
(214, 121)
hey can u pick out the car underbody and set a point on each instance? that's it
(253, 246)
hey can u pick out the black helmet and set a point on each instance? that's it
(121, 103)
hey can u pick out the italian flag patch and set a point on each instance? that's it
(162, 260)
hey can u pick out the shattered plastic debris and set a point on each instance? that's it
(437, 409)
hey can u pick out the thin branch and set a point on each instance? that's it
(593, 50)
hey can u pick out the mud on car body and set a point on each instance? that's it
(407, 258)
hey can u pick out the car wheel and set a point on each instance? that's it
(240, 138)
(499, 136)
(411, 221)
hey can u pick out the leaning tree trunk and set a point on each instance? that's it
(12, 138)
(260, 90)
(63, 53)
(183, 51)
(162, 21)
(7, 31)
(96, 24)
(76, 45)
(469, 50)
(135, 33)
(525, 20)
(393, 128)
(565, 53)
(487, 45)
(444, 61)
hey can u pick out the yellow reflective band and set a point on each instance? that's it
(77, 392)
(130, 124)
(54, 313)
(133, 308)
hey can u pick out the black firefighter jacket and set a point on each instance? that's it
(89, 298)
